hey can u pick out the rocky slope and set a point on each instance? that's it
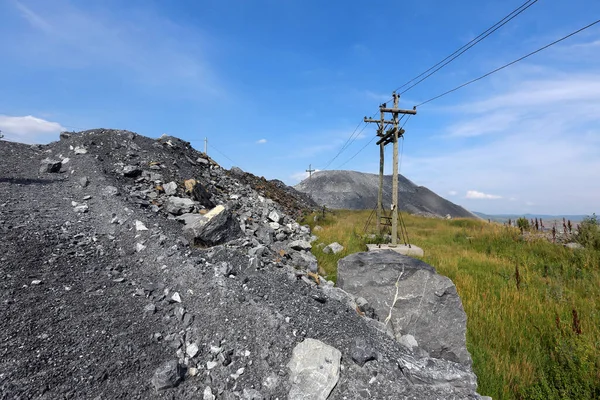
(123, 278)
(358, 191)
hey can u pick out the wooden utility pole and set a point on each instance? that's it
(310, 171)
(390, 136)
(206, 145)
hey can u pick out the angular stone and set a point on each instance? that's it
(191, 350)
(218, 226)
(334, 248)
(131, 171)
(314, 370)
(175, 298)
(274, 225)
(84, 181)
(139, 226)
(179, 205)
(80, 150)
(424, 304)
(361, 352)
(300, 245)
(50, 166)
(208, 394)
(168, 375)
(202, 196)
(189, 185)
(274, 216)
(170, 188)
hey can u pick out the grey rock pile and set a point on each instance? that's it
(184, 280)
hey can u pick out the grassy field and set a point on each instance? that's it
(533, 334)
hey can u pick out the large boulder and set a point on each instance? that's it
(218, 226)
(421, 306)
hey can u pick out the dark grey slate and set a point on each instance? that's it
(425, 304)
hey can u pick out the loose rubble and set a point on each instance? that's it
(181, 280)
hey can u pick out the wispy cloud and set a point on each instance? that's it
(261, 141)
(474, 194)
(538, 139)
(144, 47)
(452, 193)
(29, 129)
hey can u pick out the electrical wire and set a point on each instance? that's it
(349, 142)
(221, 153)
(365, 146)
(509, 64)
(441, 64)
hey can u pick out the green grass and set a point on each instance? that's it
(523, 340)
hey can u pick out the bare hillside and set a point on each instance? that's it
(357, 190)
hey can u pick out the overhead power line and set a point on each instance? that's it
(355, 134)
(221, 153)
(441, 64)
(366, 145)
(510, 63)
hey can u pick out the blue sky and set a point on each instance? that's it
(277, 85)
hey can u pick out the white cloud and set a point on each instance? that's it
(261, 141)
(544, 146)
(452, 193)
(474, 194)
(29, 129)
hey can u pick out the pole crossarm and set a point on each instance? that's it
(378, 121)
(389, 137)
(398, 111)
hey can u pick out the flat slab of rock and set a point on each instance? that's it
(408, 295)
(188, 218)
(314, 370)
(218, 226)
(413, 251)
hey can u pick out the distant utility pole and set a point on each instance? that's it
(391, 136)
(310, 171)
(206, 146)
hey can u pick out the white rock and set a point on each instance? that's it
(275, 216)
(139, 226)
(192, 349)
(274, 225)
(170, 188)
(408, 341)
(139, 247)
(176, 298)
(80, 150)
(208, 395)
(210, 365)
(334, 248)
(314, 370)
(36, 282)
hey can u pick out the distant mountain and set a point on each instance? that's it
(545, 217)
(358, 190)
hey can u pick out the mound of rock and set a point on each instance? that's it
(162, 290)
